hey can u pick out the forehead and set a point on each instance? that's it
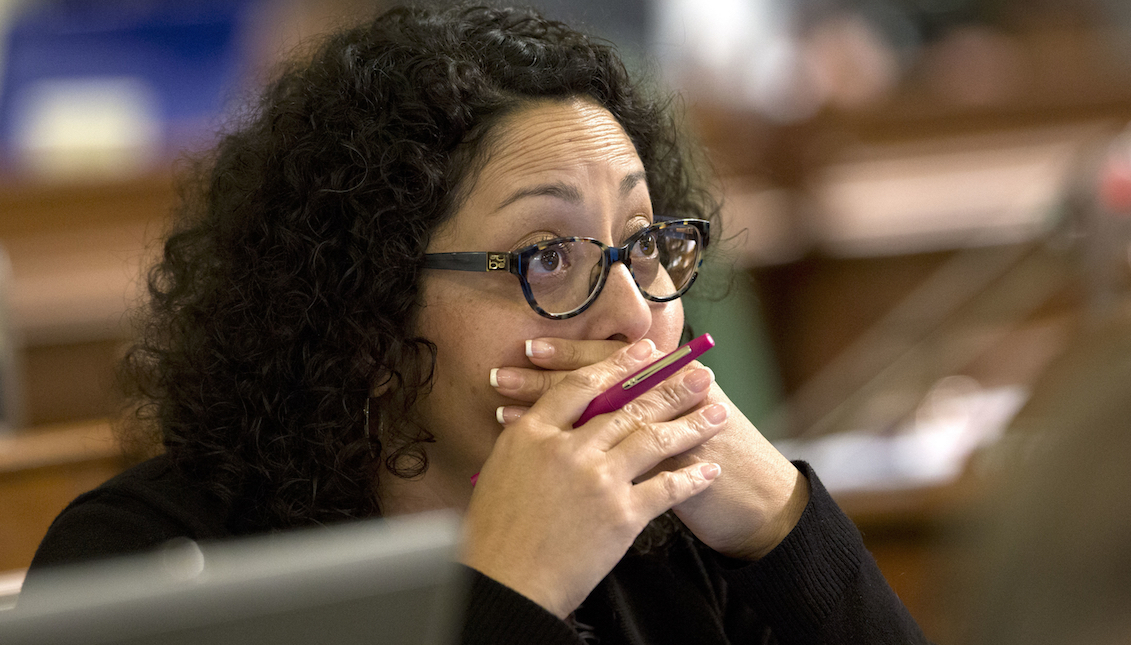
(572, 144)
(566, 137)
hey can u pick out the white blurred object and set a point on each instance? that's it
(969, 191)
(737, 52)
(718, 35)
(10, 584)
(753, 54)
(956, 418)
(101, 127)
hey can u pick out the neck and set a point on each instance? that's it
(428, 492)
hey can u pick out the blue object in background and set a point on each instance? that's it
(187, 54)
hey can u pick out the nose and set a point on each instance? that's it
(620, 311)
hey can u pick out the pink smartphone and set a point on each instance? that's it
(636, 384)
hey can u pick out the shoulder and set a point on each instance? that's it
(135, 511)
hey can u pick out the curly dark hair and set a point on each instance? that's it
(289, 284)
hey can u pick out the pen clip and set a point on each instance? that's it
(657, 366)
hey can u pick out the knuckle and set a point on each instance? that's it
(670, 396)
(662, 441)
(604, 479)
(569, 353)
(562, 451)
(673, 485)
(698, 425)
(543, 380)
(636, 411)
(585, 379)
(622, 513)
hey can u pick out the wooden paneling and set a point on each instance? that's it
(72, 381)
(77, 255)
(40, 473)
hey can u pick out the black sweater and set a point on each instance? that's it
(820, 585)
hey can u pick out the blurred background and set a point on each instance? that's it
(926, 249)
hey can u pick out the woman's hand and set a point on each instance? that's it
(756, 501)
(555, 508)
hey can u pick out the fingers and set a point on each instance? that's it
(671, 487)
(664, 402)
(505, 414)
(577, 388)
(524, 384)
(566, 354)
(651, 444)
(554, 358)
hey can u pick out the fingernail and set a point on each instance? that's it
(539, 349)
(716, 413)
(710, 471)
(505, 414)
(699, 380)
(642, 349)
(505, 378)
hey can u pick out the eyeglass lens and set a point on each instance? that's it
(562, 275)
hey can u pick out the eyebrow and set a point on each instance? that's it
(567, 192)
(630, 181)
(557, 189)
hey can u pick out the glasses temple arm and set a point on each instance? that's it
(469, 261)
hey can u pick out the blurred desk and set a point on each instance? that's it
(41, 471)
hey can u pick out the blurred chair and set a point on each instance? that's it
(1058, 562)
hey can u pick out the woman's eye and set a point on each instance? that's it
(646, 246)
(549, 260)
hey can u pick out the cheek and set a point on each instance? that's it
(667, 325)
(474, 331)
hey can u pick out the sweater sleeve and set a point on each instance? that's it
(497, 615)
(821, 585)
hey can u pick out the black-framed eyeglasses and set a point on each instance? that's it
(563, 276)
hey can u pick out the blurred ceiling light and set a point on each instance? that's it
(740, 53)
(104, 127)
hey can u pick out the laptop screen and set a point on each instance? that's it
(376, 581)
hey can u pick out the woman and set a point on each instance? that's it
(311, 356)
